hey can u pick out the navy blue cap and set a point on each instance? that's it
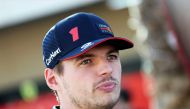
(77, 34)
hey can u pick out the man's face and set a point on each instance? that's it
(91, 80)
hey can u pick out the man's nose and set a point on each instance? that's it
(105, 68)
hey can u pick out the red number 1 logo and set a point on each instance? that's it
(74, 33)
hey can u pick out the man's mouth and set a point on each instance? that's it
(106, 86)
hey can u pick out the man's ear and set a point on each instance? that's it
(50, 78)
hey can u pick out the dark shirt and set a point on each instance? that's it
(56, 107)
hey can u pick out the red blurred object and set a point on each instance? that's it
(136, 85)
(44, 101)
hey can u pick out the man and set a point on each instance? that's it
(82, 60)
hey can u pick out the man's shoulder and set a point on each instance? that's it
(56, 107)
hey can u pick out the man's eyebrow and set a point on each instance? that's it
(84, 56)
(113, 51)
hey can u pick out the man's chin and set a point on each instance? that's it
(108, 99)
(108, 103)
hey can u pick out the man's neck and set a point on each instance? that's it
(59, 107)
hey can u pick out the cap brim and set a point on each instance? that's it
(117, 42)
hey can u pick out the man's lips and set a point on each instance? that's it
(107, 86)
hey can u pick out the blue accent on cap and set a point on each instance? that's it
(58, 43)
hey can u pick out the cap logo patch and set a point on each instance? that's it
(85, 46)
(105, 28)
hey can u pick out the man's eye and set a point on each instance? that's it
(86, 61)
(112, 57)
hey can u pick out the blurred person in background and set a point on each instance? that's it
(82, 62)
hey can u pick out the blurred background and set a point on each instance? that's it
(155, 72)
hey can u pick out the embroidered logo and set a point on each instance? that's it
(85, 46)
(52, 55)
(105, 29)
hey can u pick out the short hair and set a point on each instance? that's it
(59, 68)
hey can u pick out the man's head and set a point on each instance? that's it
(83, 67)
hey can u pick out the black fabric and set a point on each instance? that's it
(56, 107)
